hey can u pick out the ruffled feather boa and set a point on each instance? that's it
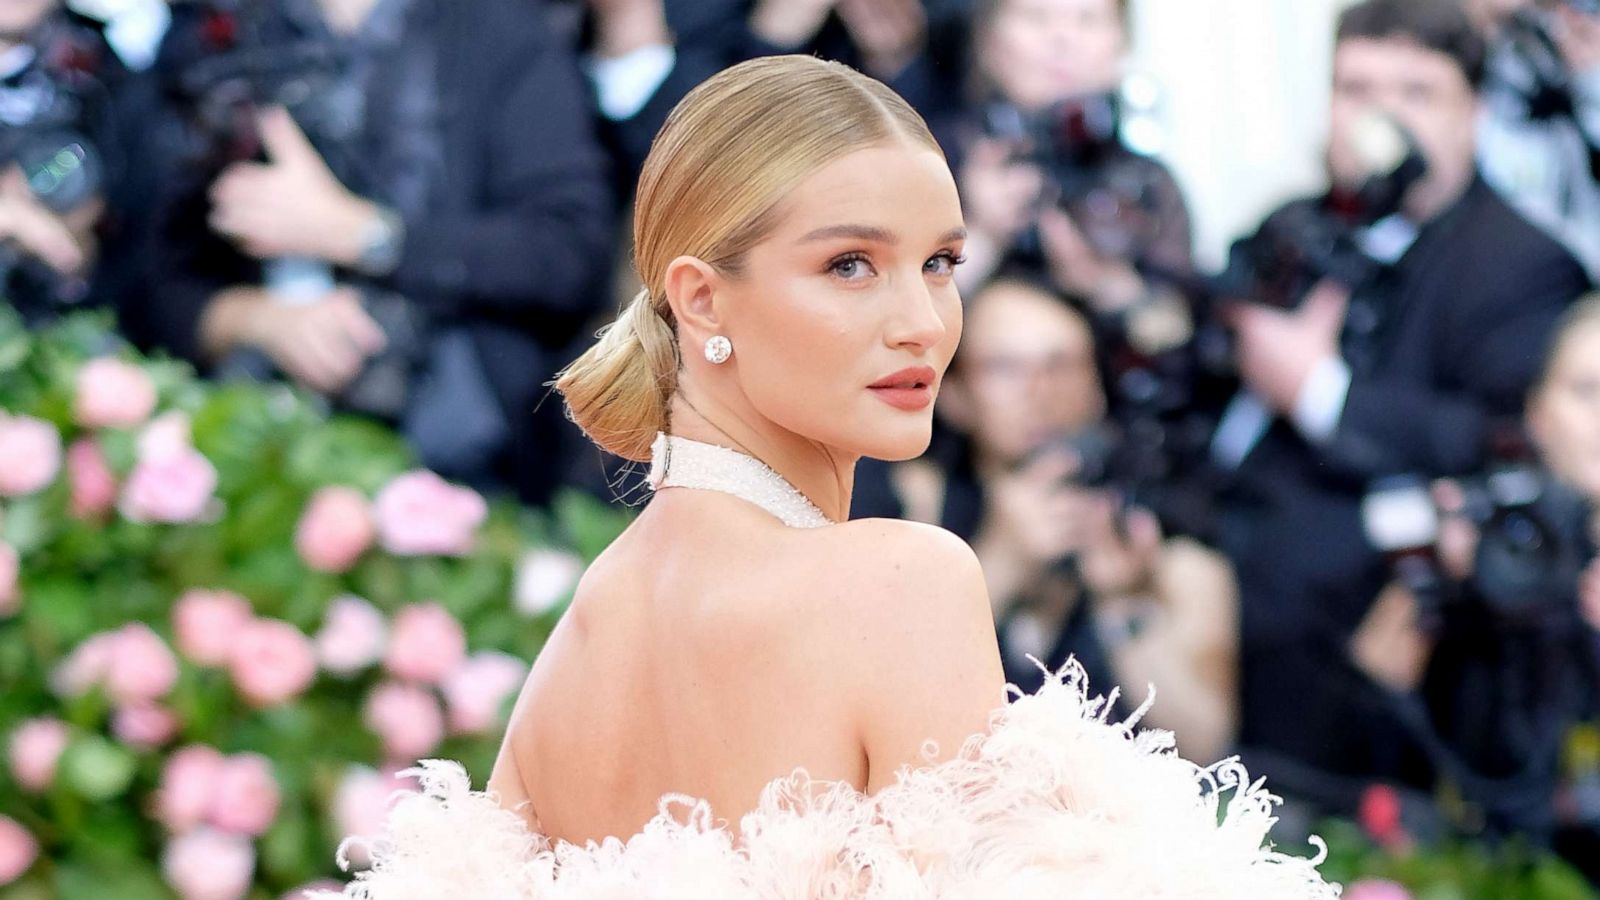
(1055, 802)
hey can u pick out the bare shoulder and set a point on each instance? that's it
(908, 620)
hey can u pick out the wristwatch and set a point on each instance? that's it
(381, 242)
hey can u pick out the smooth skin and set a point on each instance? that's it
(712, 649)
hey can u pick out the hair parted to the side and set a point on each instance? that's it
(711, 188)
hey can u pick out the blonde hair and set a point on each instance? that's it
(711, 188)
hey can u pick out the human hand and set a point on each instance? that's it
(1110, 285)
(38, 231)
(1390, 645)
(1042, 516)
(322, 345)
(292, 205)
(1577, 37)
(998, 192)
(1118, 559)
(789, 23)
(1278, 349)
(889, 33)
(622, 26)
(1457, 542)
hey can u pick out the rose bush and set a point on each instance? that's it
(227, 620)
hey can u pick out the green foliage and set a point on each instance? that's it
(272, 449)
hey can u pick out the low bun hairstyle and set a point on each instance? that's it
(711, 187)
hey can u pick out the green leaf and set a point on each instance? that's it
(97, 768)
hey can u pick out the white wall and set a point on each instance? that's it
(1245, 94)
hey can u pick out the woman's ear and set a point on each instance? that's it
(691, 285)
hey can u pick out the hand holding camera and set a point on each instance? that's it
(53, 238)
(292, 206)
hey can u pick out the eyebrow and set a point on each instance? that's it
(873, 233)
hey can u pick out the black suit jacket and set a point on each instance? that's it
(1469, 312)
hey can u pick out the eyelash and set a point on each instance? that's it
(951, 256)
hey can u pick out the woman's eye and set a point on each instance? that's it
(943, 264)
(851, 268)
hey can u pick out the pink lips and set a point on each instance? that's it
(909, 389)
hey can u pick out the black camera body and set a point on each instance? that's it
(1303, 244)
(1533, 543)
(225, 59)
(45, 134)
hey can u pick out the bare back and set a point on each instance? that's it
(708, 651)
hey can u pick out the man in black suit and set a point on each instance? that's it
(422, 235)
(1408, 377)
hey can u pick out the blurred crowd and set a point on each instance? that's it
(1338, 500)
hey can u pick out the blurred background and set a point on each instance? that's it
(1279, 392)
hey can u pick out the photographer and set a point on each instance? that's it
(1070, 570)
(1402, 373)
(647, 54)
(1046, 177)
(1539, 137)
(1503, 651)
(66, 108)
(422, 232)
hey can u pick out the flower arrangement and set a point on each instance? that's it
(227, 621)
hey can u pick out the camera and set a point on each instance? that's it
(1533, 542)
(1077, 144)
(44, 134)
(1304, 244)
(225, 59)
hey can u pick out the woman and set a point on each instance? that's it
(797, 232)
(1069, 571)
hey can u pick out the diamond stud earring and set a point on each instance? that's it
(718, 349)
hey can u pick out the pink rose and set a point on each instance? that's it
(420, 514)
(477, 689)
(335, 529)
(18, 850)
(362, 801)
(30, 455)
(94, 485)
(36, 747)
(246, 795)
(144, 726)
(406, 718)
(10, 572)
(188, 784)
(271, 662)
(1380, 813)
(85, 666)
(173, 488)
(209, 865)
(208, 623)
(352, 636)
(142, 668)
(428, 644)
(167, 435)
(1374, 889)
(544, 579)
(113, 394)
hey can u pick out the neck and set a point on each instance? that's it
(825, 476)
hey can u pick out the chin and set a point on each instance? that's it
(898, 441)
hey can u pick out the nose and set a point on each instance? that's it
(917, 322)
